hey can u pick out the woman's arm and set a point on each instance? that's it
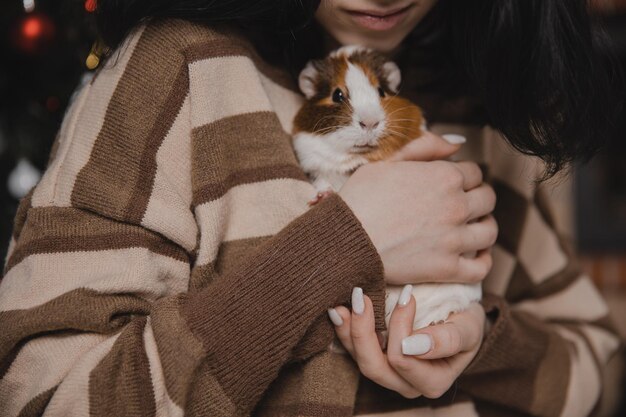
(94, 309)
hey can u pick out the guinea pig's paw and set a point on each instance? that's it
(320, 196)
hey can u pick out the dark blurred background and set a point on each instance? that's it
(46, 47)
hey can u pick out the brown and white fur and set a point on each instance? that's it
(332, 138)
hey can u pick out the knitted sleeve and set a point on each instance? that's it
(113, 301)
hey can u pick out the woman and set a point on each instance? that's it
(166, 264)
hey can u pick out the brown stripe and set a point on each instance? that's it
(372, 398)
(82, 310)
(117, 180)
(38, 404)
(325, 386)
(233, 44)
(143, 187)
(231, 253)
(306, 410)
(180, 353)
(552, 379)
(121, 385)
(7, 361)
(521, 287)
(213, 191)
(201, 276)
(229, 256)
(64, 229)
(207, 398)
(509, 357)
(240, 149)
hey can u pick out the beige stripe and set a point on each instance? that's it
(165, 406)
(284, 102)
(233, 82)
(584, 383)
(168, 211)
(250, 210)
(71, 399)
(567, 305)
(539, 249)
(40, 365)
(465, 409)
(41, 278)
(603, 343)
(83, 123)
(500, 275)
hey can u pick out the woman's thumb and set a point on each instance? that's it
(430, 147)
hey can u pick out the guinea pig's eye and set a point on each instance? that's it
(338, 95)
(381, 92)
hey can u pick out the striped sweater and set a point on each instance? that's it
(167, 263)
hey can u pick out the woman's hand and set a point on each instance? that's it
(433, 357)
(423, 216)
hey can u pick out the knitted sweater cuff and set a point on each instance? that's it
(250, 320)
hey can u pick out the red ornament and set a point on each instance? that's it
(34, 32)
(90, 5)
(32, 28)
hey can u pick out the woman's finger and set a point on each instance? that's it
(341, 318)
(481, 201)
(472, 175)
(475, 269)
(400, 327)
(429, 147)
(479, 235)
(368, 354)
(461, 333)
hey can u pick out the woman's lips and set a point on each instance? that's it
(379, 21)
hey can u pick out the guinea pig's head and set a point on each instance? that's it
(346, 94)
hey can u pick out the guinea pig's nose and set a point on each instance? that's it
(368, 125)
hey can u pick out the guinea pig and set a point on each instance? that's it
(352, 116)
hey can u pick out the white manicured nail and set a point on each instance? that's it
(405, 295)
(358, 303)
(335, 317)
(418, 344)
(454, 139)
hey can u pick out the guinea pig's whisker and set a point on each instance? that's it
(398, 133)
(398, 109)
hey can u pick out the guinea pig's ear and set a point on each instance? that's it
(392, 75)
(306, 80)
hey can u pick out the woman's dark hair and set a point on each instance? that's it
(115, 18)
(540, 69)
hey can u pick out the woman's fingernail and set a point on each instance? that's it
(358, 303)
(405, 295)
(454, 139)
(335, 317)
(418, 344)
